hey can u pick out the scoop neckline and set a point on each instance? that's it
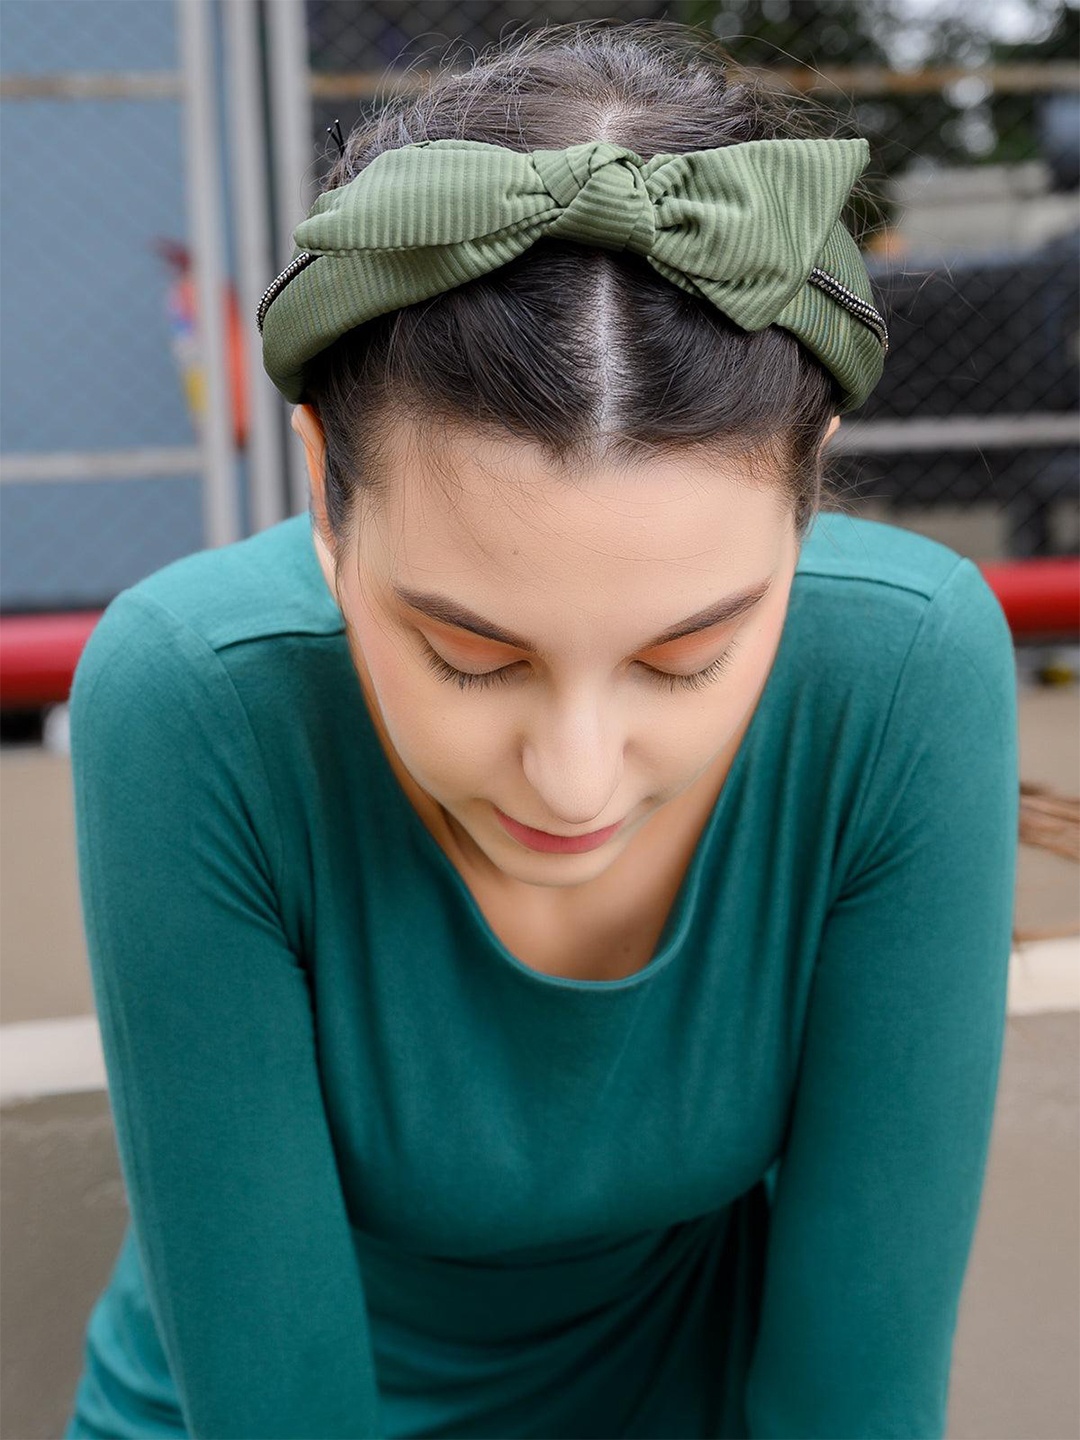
(678, 919)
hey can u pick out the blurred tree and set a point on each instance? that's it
(1021, 132)
(962, 124)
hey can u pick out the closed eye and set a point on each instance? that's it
(468, 680)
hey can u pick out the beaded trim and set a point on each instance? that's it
(293, 268)
(855, 303)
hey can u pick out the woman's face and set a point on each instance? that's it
(508, 629)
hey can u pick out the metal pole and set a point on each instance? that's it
(221, 517)
(957, 432)
(255, 257)
(291, 123)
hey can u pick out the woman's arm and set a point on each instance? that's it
(880, 1182)
(207, 1031)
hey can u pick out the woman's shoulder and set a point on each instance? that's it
(888, 628)
(268, 584)
(189, 627)
(852, 549)
(864, 588)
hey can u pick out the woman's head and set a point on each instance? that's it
(574, 450)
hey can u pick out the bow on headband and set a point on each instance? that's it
(754, 228)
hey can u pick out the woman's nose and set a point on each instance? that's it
(572, 758)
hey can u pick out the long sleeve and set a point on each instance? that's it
(880, 1181)
(207, 1028)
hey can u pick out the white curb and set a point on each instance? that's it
(1045, 975)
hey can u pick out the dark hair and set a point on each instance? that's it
(584, 351)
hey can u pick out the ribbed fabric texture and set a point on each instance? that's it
(385, 1180)
(741, 226)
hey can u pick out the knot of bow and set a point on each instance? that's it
(601, 194)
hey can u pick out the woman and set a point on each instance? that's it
(549, 911)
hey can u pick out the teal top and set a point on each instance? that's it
(386, 1180)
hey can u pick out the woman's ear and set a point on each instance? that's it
(305, 421)
(834, 425)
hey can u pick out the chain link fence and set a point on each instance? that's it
(972, 243)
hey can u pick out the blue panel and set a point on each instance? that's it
(75, 544)
(39, 36)
(85, 348)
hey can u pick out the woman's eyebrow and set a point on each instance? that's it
(441, 607)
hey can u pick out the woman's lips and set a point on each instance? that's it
(555, 844)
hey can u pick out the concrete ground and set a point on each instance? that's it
(1015, 1361)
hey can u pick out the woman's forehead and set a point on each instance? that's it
(506, 499)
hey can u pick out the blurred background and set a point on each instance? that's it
(155, 156)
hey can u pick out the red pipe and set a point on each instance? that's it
(1039, 596)
(38, 653)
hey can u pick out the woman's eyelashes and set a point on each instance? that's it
(466, 680)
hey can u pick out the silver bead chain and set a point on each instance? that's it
(293, 268)
(855, 303)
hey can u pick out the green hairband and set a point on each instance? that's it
(754, 228)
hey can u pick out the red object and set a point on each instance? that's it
(38, 653)
(1039, 596)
